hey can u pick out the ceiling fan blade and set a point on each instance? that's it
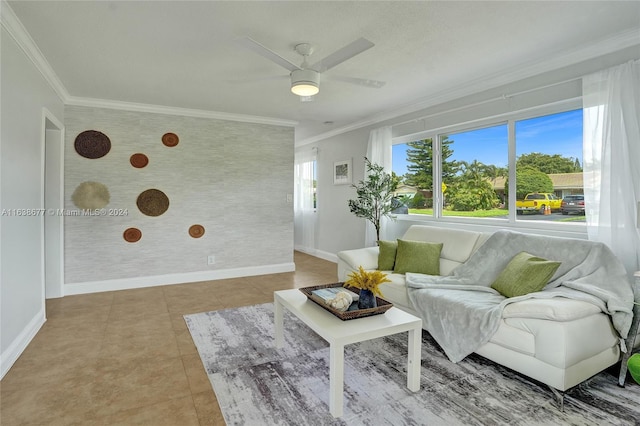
(341, 55)
(374, 84)
(261, 50)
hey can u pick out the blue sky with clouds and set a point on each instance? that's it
(552, 134)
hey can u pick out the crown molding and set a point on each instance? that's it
(161, 109)
(559, 60)
(19, 33)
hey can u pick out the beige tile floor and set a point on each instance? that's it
(127, 358)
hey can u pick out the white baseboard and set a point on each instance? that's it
(189, 277)
(318, 253)
(15, 349)
(326, 256)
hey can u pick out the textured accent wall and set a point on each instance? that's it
(232, 178)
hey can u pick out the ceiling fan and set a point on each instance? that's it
(305, 78)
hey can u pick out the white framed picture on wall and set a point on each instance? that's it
(342, 172)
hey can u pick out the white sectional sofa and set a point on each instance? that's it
(558, 341)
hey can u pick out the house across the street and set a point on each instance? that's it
(563, 184)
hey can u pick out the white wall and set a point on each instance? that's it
(340, 230)
(24, 94)
(231, 177)
(336, 226)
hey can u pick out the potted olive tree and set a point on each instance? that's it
(374, 196)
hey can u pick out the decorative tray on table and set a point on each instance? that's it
(353, 312)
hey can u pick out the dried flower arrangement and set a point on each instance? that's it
(367, 280)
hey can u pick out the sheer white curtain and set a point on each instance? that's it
(378, 152)
(303, 200)
(611, 159)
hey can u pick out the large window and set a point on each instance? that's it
(465, 172)
(476, 164)
(549, 167)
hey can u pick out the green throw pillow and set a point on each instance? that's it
(633, 363)
(524, 274)
(418, 256)
(387, 255)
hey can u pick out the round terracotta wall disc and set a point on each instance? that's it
(132, 235)
(139, 160)
(153, 202)
(92, 144)
(196, 231)
(170, 139)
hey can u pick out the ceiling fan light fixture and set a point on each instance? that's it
(305, 82)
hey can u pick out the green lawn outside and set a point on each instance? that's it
(493, 213)
(477, 213)
(578, 218)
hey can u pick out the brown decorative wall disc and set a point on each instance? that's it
(170, 139)
(90, 196)
(139, 160)
(92, 144)
(132, 235)
(196, 231)
(153, 202)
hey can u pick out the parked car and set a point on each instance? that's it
(538, 202)
(572, 204)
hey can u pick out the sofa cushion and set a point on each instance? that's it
(566, 343)
(554, 309)
(418, 256)
(448, 266)
(515, 338)
(387, 255)
(458, 244)
(396, 290)
(524, 274)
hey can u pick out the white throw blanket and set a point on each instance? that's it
(462, 312)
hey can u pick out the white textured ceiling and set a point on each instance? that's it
(185, 54)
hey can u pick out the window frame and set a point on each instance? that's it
(509, 118)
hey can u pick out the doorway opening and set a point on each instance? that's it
(53, 204)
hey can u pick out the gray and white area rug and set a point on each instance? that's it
(257, 384)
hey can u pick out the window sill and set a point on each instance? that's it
(576, 230)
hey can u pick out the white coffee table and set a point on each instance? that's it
(339, 333)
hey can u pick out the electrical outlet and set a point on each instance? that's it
(211, 260)
(289, 198)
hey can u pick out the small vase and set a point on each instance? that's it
(367, 299)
